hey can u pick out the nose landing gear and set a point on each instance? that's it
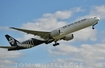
(94, 25)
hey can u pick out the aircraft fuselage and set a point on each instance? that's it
(78, 25)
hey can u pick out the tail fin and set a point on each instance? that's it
(11, 40)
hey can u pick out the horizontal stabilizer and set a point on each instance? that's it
(7, 47)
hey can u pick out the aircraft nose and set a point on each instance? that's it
(98, 18)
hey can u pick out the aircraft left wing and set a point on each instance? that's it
(42, 34)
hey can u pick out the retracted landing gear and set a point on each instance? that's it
(55, 43)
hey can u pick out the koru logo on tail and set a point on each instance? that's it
(11, 40)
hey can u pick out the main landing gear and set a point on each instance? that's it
(93, 27)
(55, 43)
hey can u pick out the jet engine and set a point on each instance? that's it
(55, 33)
(68, 37)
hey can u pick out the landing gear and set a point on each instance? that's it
(93, 27)
(49, 41)
(55, 44)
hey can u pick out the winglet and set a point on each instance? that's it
(11, 40)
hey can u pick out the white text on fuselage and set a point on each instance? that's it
(74, 23)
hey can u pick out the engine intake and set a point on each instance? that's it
(68, 37)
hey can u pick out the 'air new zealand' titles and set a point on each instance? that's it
(62, 33)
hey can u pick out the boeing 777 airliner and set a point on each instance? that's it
(62, 33)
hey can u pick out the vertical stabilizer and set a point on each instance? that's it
(11, 40)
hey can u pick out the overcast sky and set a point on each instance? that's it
(86, 50)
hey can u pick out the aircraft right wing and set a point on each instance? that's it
(42, 34)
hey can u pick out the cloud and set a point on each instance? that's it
(98, 11)
(85, 34)
(59, 15)
(49, 21)
(89, 55)
(6, 58)
(85, 56)
(62, 15)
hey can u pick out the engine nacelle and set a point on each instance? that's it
(55, 33)
(68, 37)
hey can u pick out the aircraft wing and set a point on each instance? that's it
(38, 33)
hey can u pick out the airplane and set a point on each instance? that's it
(62, 33)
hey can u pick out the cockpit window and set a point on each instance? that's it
(95, 17)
